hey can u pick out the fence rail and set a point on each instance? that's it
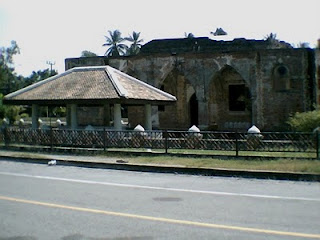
(164, 140)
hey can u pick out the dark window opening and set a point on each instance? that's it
(124, 111)
(282, 71)
(194, 110)
(281, 81)
(237, 97)
(161, 108)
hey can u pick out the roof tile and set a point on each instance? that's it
(94, 83)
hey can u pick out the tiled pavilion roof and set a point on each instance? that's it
(90, 85)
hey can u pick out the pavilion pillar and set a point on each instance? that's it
(72, 121)
(35, 116)
(117, 117)
(106, 116)
(148, 113)
(68, 118)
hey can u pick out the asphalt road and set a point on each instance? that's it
(59, 202)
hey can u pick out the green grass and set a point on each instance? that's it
(287, 162)
(213, 153)
(246, 153)
(286, 165)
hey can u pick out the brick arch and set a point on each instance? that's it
(162, 69)
(229, 101)
(178, 115)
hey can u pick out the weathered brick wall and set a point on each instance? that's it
(136, 116)
(278, 81)
(279, 104)
(91, 116)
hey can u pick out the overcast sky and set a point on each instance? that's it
(52, 30)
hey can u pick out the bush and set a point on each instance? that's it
(24, 115)
(305, 121)
(12, 113)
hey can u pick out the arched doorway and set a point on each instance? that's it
(229, 101)
(193, 106)
(177, 116)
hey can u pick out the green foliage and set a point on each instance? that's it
(303, 45)
(305, 121)
(37, 76)
(271, 37)
(189, 35)
(135, 43)
(87, 53)
(9, 81)
(24, 115)
(10, 112)
(116, 47)
(6, 54)
(114, 42)
(7, 77)
(219, 32)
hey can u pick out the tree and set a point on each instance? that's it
(6, 54)
(188, 35)
(8, 80)
(219, 32)
(9, 112)
(38, 76)
(114, 42)
(303, 45)
(7, 75)
(86, 53)
(135, 43)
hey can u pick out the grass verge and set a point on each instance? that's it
(253, 163)
(283, 165)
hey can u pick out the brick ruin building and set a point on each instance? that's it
(221, 85)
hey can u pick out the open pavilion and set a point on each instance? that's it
(91, 86)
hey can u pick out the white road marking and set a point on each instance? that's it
(161, 188)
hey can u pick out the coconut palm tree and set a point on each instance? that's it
(135, 43)
(114, 42)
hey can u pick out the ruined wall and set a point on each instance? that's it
(285, 85)
(90, 116)
(136, 116)
(267, 86)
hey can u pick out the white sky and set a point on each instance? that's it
(52, 30)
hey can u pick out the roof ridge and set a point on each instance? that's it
(115, 82)
(145, 84)
(89, 68)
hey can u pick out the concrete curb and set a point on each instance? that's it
(175, 170)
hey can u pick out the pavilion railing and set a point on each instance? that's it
(231, 143)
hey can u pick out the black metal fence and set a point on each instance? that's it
(231, 142)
